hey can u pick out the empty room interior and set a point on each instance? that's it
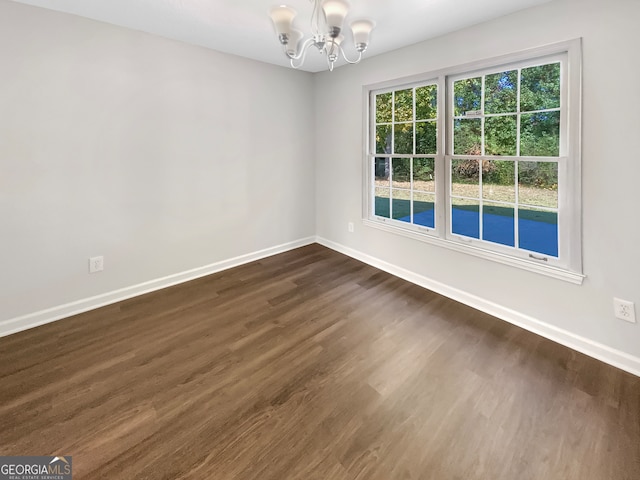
(377, 240)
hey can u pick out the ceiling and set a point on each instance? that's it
(243, 27)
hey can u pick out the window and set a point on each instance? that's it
(406, 131)
(484, 159)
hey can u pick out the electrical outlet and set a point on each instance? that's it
(624, 310)
(350, 227)
(96, 264)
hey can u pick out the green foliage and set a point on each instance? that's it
(381, 168)
(397, 108)
(538, 174)
(501, 92)
(540, 134)
(427, 102)
(502, 172)
(468, 170)
(467, 95)
(426, 138)
(423, 169)
(383, 138)
(383, 108)
(540, 87)
(403, 106)
(403, 138)
(501, 135)
(401, 169)
(467, 136)
(499, 172)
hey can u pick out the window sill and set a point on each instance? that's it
(531, 266)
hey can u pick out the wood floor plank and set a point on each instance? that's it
(311, 365)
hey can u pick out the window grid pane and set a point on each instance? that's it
(487, 204)
(406, 124)
(514, 113)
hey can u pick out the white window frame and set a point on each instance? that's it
(568, 265)
(438, 157)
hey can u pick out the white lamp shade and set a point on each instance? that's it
(333, 45)
(338, 40)
(294, 38)
(362, 31)
(334, 12)
(282, 17)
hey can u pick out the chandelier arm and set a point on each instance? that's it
(302, 55)
(344, 55)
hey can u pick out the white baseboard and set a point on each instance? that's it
(593, 349)
(24, 322)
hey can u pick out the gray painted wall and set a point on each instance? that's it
(159, 155)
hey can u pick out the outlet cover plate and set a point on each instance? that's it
(624, 310)
(96, 264)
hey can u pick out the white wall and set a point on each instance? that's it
(161, 156)
(611, 172)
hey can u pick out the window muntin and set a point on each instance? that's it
(508, 171)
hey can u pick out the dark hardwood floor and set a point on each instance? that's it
(312, 365)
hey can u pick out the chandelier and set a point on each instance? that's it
(327, 19)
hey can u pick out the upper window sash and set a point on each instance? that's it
(515, 105)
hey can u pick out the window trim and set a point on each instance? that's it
(570, 249)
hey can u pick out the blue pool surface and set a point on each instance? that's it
(534, 235)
